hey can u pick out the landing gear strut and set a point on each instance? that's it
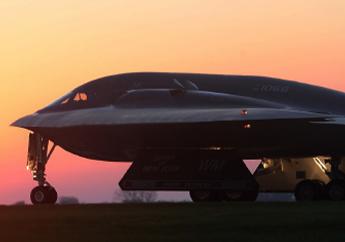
(38, 157)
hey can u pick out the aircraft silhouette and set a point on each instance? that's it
(191, 132)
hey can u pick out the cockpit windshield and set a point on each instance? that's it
(80, 97)
(70, 101)
(71, 98)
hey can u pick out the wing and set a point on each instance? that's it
(117, 116)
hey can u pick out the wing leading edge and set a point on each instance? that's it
(115, 116)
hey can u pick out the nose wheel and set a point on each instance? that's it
(43, 195)
(38, 157)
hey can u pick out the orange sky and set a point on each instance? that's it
(49, 47)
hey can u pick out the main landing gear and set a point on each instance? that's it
(38, 157)
(311, 190)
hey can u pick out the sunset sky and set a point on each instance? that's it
(48, 48)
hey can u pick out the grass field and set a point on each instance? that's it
(175, 222)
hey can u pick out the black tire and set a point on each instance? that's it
(232, 196)
(238, 196)
(52, 195)
(38, 195)
(308, 190)
(321, 190)
(250, 196)
(204, 196)
(43, 195)
(335, 190)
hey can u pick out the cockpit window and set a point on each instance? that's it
(65, 101)
(80, 97)
(72, 100)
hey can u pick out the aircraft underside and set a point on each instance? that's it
(209, 173)
(252, 140)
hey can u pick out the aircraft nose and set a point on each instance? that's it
(25, 122)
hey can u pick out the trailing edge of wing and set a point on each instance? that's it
(335, 120)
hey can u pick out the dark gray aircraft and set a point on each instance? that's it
(191, 132)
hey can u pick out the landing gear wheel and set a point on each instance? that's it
(38, 195)
(52, 195)
(204, 196)
(232, 196)
(320, 189)
(309, 190)
(43, 195)
(335, 190)
(235, 196)
(250, 196)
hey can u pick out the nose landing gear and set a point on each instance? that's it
(38, 157)
(43, 195)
